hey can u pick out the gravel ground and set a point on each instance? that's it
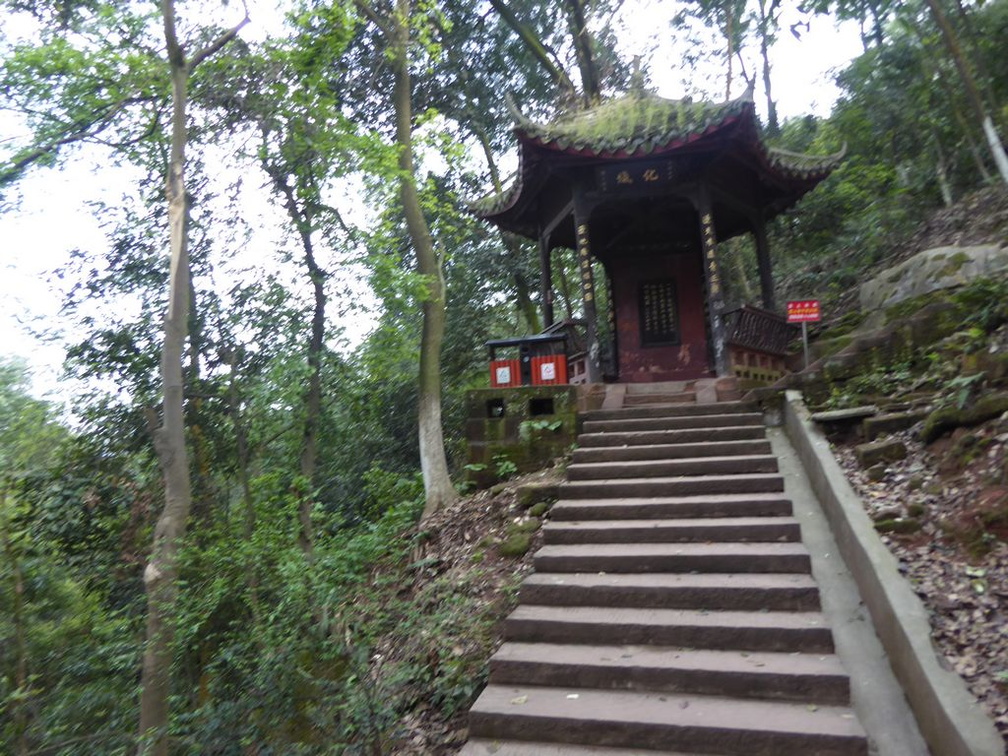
(953, 498)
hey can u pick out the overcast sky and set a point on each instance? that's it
(52, 215)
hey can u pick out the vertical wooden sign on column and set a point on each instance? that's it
(712, 281)
(588, 295)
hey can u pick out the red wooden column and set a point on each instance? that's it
(713, 286)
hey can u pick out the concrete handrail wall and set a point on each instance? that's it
(951, 720)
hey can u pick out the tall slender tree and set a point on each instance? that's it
(161, 573)
(728, 16)
(767, 22)
(396, 23)
(972, 90)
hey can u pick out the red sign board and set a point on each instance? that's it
(804, 311)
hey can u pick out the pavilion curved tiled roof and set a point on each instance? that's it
(634, 125)
(641, 124)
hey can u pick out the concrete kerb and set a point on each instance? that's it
(951, 720)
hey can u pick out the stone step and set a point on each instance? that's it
(660, 468)
(673, 557)
(665, 437)
(665, 398)
(659, 387)
(629, 719)
(691, 628)
(683, 486)
(672, 410)
(670, 451)
(496, 747)
(738, 529)
(812, 678)
(673, 507)
(784, 592)
(671, 422)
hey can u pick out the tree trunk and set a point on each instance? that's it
(312, 399)
(941, 172)
(877, 33)
(20, 704)
(201, 487)
(973, 94)
(161, 572)
(523, 291)
(766, 18)
(302, 219)
(742, 274)
(967, 31)
(160, 575)
(564, 287)
(526, 307)
(546, 57)
(248, 503)
(590, 84)
(438, 488)
(996, 147)
(931, 72)
(730, 50)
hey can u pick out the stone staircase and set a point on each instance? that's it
(672, 609)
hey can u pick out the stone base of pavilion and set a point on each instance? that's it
(527, 426)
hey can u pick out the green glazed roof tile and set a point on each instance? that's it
(637, 123)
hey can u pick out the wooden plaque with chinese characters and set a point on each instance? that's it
(659, 316)
(637, 175)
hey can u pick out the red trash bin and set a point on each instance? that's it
(505, 374)
(549, 370)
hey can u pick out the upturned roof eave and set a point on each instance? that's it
(530, 145)
(793, 174)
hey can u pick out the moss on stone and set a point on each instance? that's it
(871, 454)
(901, 525)
(948, 418)
(501, 422)
(838, 335)
(538, 510)
(533, 494)
(515, 545)
(953, 266)
(911, 306)
(530, 525)
(825, 346)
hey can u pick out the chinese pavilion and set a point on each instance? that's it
(648, 187)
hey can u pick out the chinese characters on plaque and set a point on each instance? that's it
(635, 175)
(659, 318)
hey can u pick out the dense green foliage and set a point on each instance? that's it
(278, 648)
(910, 137)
